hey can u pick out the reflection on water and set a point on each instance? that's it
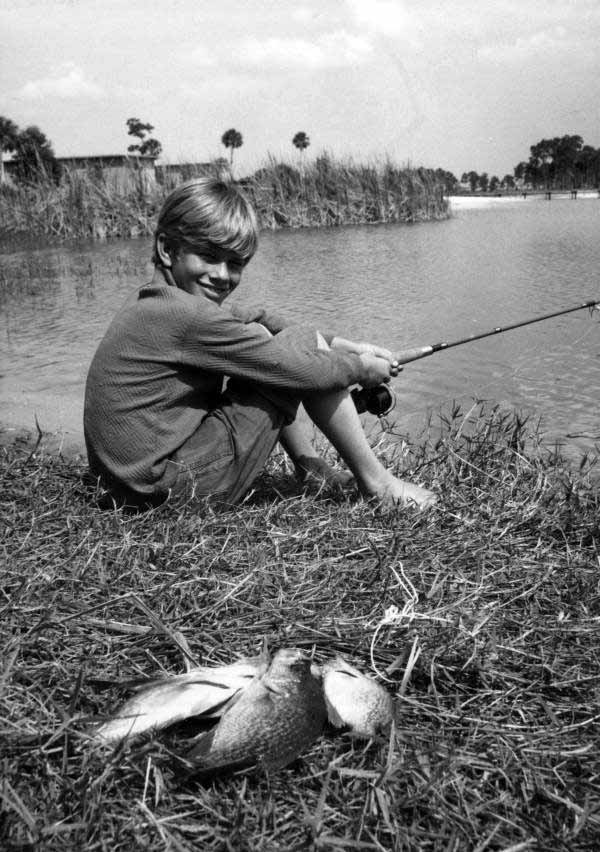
(400, 286)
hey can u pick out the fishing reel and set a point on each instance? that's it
(379, 400)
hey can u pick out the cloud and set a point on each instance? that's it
(335, 49)
(204, 57)
(329, 50)
(504, 29)
(66, 83)
(543, 45)
(387, 18)
(303, 15)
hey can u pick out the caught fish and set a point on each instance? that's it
(203, 691)
(355, 700)
(273, 721)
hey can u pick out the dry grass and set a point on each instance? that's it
(493, 650)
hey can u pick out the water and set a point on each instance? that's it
(400, 286)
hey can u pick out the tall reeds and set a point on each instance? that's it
(90, 204)
(333, 192)
(81, 204)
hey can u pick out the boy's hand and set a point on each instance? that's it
(369, 349)
(376, 370)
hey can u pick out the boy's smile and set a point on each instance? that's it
(214, 274)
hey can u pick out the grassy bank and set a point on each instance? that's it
(324, 192)
(493, 652)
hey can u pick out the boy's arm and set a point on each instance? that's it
(214, 340)
(273, 321)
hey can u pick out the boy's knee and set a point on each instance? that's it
(321, 342)
(260, 328)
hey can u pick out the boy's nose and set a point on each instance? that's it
(221, 271)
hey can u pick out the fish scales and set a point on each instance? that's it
(275, 719)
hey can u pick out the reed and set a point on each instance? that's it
(481, 614)
(326, 192)
(330, 192)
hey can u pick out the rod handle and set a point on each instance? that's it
(407, 355)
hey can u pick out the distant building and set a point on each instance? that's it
(120, 172)
(124, 173)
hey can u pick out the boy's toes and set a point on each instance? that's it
(400, 493)
(428, 500)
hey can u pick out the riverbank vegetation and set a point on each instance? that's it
(325, 192)
(482, 615)
(560, 163)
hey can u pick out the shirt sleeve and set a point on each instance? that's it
(274, 321)
(214, 339)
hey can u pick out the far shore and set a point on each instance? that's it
(475, 200)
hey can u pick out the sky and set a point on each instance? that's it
(458, 84)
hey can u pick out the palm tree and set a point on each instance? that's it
(8, 137)
(232, 139)
(301, 141)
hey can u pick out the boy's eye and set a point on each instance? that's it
(234, 263)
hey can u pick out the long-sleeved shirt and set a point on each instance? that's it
(163, 359)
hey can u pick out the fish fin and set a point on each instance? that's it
(201, 747)
(344, 667)
(138, 716)
(198, 761)
(334, 717)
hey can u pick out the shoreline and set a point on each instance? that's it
(60, 443)
(475, 201)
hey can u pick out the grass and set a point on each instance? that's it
(324, 192)
(493, 651)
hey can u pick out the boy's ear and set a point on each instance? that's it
(164, 255)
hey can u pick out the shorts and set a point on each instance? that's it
(229, 449)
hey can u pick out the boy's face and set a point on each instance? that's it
(213, 274)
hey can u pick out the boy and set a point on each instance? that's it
(187, 395)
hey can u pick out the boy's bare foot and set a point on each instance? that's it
(398, 492)
(315, 469)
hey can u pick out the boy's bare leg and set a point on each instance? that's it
(297, 443)
(336, 416)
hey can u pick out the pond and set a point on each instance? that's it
(398, 285)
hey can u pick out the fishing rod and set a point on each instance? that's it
(380, 400)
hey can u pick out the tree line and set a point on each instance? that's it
(33, 153)
(34, 158)
(563, 162)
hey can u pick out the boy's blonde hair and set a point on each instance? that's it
(206, 212)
